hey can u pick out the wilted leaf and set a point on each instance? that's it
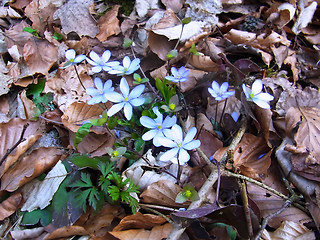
(38, 194)
(157, 232)
(162, 192)
(286, 13)
(305, 17)
(252, 156)
(67, 231)
(75, 16)
(29, 167)
(160, 45)
(139, 220)
(10, 133)
(240, 37)
(142, 6)
(10, 205)
(33, 233)
(109, 24)
(204, 63)
(175, 5)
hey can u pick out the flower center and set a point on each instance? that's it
(115, 153)
(159, 127)
(126, 99)
(179, 144)
(172, 106)
(188, 193)
(71, 60)
(125, 69)
(251, 95)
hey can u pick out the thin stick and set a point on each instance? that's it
(21, 139)
(224, 108)
(244, 197)
(75, 68)
(158, 213)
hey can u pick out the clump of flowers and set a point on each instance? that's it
(72, 58)
(126, 99)
(128, 67)
(101, 63)
(256, 95)
(174, 139)
(178, 75)
(117, 153)
(220, 92)
(157, 126)
(99, 93)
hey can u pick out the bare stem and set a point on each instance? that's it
(75, 68)
(244, 197)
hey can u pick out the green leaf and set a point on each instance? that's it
(43, 216)
(193, 50)
(172, 54)
(100, 121)
(83, 160)
(57, 36)
(112, 122)
(165, 89)
(230, 230)
(31, 30)
(138, 144)
(81, 133)
(186, 20)
(127, 43)
(124, 123)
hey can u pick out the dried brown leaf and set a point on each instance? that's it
(160, 45)
(29, 167)
(204, 63)
(75, 16)
(139, 220)
(67, 231)
(252, 156)
(109, 24)
(10, 205)
(10, 134)
(174, 5)
(240, 37)
(305, 17)
(157, 232)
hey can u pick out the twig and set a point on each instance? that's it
(158, 213)
(75, 68)
(49, 120)
(21, 139)
(244, 197)
(158, 207)
(224, 108)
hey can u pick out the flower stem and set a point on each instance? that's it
(224, 108)
(216, 115)
(75, 68)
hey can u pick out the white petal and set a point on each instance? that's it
(70, 54)
(124, 87)
(137, 101)
(114, 97)
(256, 87)
(79, 58)
(137, 91)
(265, 96)
(171, 78)
(159, 118)
(126, 62)
(167, 156)
(183, 156)
(148, 122)
(166, 142)
(149, 135)
(94, 56)
(213, 92)
(169, 122)
(127, 111)
(175, 133)
(92, 91)
(246, 90)
(261, 103)
(224, 87)
(106, 56)
(190, 135)
(115, 108)
(98, 83)
(192, 145)
(215, 86)
(156, 138)
(96, 69)
(91, 62)
(174, 71)
(107, 86)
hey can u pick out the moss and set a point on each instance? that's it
(126, 6)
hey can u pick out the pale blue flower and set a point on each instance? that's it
(101, 63)
(178, 75)
(128, 67)
(157, 126)
(235, 116)
(98, 93)
(179, 146)
(72, 58)
(125, 100)
(220, 93)
(255, 95)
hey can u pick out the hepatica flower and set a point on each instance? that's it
(173, 105)
(220, 92)
(178, 75)
(256, 95)
(101, 63)
(116, 154)
(72, 58)
(179, 146)
(126, 99)
(98, 93)
(157, 126)
(128, 67)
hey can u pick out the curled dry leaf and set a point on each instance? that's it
(240, 37)
(160, 45)
(175, 5)
(10, 134)
(204, 63)
(143, 6)
(305, 17)
(139, 220)
(10, 205)
(29, 167)
(162, 19)
(34, 233)
(157, 232)
(252, 156)
(162, 192)
(109, 24)
(286, 13)
(291, 230)
(75, 16)
(67, 231)
(305, 121)
(78, 112)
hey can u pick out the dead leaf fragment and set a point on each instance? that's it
(10, 205)
(109, 24)
(75, 16)
(305, 17)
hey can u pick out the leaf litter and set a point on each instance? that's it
(257, 169)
